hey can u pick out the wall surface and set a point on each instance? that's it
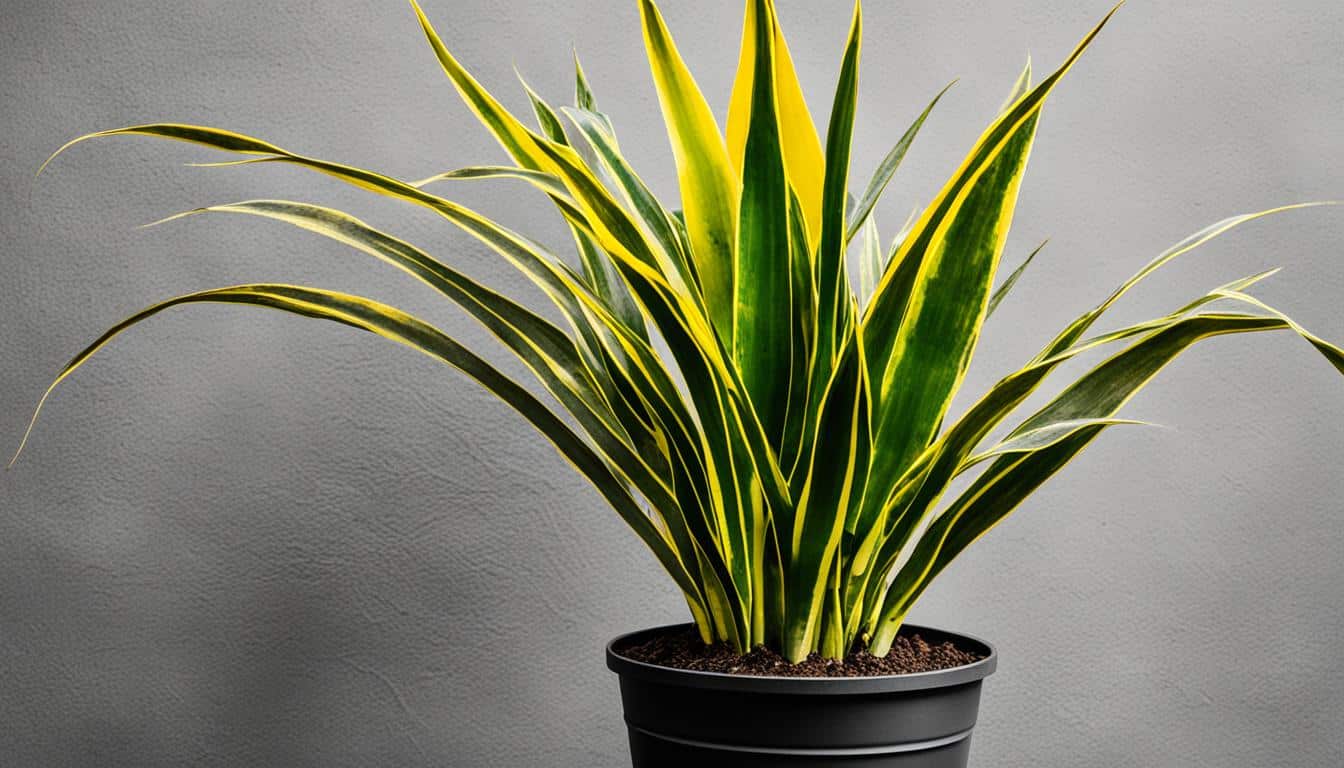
(238, 538)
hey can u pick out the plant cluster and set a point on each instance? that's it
(778, 437)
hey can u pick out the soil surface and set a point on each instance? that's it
(684, 650)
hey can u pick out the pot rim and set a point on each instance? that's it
(914, 681)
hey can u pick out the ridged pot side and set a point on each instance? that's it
(708, 719)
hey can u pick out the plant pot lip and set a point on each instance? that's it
(915, 681)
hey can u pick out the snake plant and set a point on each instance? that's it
(779, 438)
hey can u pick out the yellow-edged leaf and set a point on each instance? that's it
(709, 190)
(803, 157)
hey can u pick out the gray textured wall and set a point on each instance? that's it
(240, 538)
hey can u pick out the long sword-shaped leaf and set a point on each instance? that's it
(947, 304)
(923, 332)
(887, 169)
(1043, 437)
(1097, 395)
(567, 294)
(711, 380)
(833, 291)
(543, 348)
(1006, 287)
(546, 182)
(1083, 322)
(550, 354)
(648, 210)
(994, 494)
(911, 500)
(762, 309)
(709, 190)
(836, 480)
(801, 411)
(798, 133)
(398, 326)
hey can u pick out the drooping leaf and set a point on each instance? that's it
(405, 329)
(1098, 394)
(910, 501)
(1043, 436)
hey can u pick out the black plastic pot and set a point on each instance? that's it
(708, 719)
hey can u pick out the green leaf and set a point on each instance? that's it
(1096, 396)
(1003, 290)
(833, 291)
(546, 350)
(1079, 326)
(583, 95)
(546, 182)
(836, 478)
(803, 159)
(762, 310)
(547, 120)
(887, 169)
(926, 314)
(948, 299)
(405, 329)
(800, 413)
(1043, 436)
(907, 503)
(709, 190)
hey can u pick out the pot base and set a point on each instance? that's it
(649, 750)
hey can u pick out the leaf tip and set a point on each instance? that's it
(32, 422)
(62, 148)
(173, 217)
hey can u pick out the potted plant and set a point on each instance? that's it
(778, 438)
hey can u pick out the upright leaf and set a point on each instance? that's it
(886, 169)
(833, 290)
(924, 326)
(871, 260)
(762, 337)
(798, 133)
(1003, 290)
(709, 190)
(836, 478)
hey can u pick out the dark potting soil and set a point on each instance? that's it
(684, 650)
